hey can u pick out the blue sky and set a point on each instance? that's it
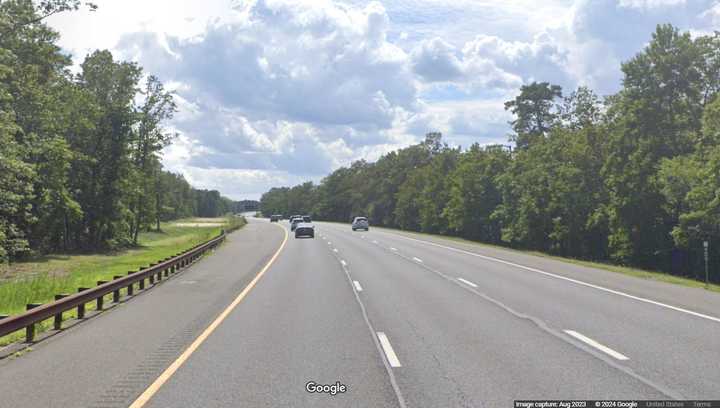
(276, 92)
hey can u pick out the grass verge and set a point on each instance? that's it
(39, 280)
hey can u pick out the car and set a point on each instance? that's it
(294, 223)
(360, 223)
(304, 229)
(306, 218)
(275, 218)
(290, 220)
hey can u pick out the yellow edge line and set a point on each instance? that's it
(155, 386)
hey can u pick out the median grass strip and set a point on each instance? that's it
(39, 280)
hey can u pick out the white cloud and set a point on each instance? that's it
(712, 14)
(279, 91)
(541, 59)
(436, 60)
(84, 31)
(648, 4)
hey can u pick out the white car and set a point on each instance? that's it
(304, 229)
(360, 223)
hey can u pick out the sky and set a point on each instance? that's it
(277, 92)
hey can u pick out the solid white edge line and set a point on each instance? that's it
(467, 282)
(593, 343)
(357, 286)
(342, 261)
(417, 259)
(552, 275)
(389, 352)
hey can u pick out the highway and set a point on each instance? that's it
(400, 319)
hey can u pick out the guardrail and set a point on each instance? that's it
(155, 273)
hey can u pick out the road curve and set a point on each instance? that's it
(108, 360)
(398, 319)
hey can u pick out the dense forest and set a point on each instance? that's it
(632, 178)
(79, 152)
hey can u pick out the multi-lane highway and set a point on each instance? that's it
(399, 319)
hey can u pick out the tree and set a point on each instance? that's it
(150, 138)
(475, 195)
(15, 181)
(275, 201)
(534, 112)
(18, 14)
(582, 108)
(103, 178)
(80, 159)
(691, 185)
(656, 116)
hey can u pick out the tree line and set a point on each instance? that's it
(80, 152)
(632, 178)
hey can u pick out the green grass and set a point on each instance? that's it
(39, 280)
(625, 270)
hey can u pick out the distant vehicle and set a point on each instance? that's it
(360, 223)
(306, 218)
(275, 218)
(290, 220)
(304, 229)
(294, 223)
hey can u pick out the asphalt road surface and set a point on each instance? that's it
(398, 319)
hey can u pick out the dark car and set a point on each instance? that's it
(304, 229)
(275, 218)
(360, 223)
(306, 218)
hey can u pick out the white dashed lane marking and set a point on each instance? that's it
(389, 352)
(467, 282)
(593, 343)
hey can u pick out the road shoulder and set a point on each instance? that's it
(109, 361)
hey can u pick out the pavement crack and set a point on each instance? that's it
(464, 400)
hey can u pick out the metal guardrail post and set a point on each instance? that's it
(101, 299)
(141, 283)
(81, 307)
(116, 292)
(155, 276)
(131, 287)
(57, 320)
(30, 329)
